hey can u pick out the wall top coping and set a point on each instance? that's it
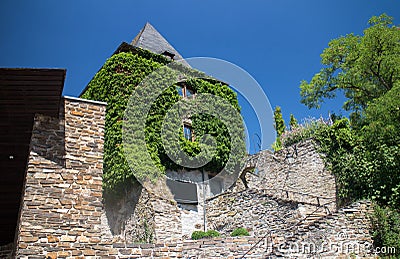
(84, 100)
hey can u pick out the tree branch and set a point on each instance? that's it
(385, 84)
(357, 88)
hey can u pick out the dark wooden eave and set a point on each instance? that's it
(23, 93)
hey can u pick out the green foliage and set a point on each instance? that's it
(114, 84)
(303, 131)
(240, 232)
(279, 122)
(279, 125)
(381, 142)
(363, 153)
(386, 227)
(382, 117)
(337, 143)
(277, 145)
(293, 122)
(212, 233)
(366, 158)
(201, 234)
(198, 235)
(362, 67)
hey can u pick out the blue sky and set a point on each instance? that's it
(277, 42)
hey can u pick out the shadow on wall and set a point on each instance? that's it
(130, 214)
(55, 129)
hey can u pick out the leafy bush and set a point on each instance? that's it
(212, 233)
(304, 131)
(365, 157)
(338, 144)
(198, 235)
(386, 226)
(240, 232)
(201, 234)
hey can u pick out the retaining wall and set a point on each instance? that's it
(63, 214)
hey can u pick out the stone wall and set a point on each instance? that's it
(344, 232)
(128, 215)
(62, 200)
(296, 173)
(257, 212)
(167, 219)
(135, 215)
(229, 247)
(6, 251)
(63, 213)
(283, 230)
(279, 192)
(337, 235)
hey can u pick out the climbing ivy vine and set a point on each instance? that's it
(114, 84)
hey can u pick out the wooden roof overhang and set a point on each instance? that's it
(23, 93)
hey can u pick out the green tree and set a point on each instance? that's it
(293, 122)
(386, 230)
(381, 140)
(365, 156)
(362, 67)
(279, 125)
(279, 122)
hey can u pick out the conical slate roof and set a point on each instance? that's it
(150, 39)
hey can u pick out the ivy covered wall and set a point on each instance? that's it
(114, 84)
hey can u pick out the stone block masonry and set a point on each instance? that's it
(63, 213)
(62, 199)
(136, 215)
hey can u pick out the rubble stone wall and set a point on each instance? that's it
(63, 213)
(296, 173)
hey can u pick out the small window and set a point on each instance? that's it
(185, 91)
(188, 132)
(189, 92)
(180, 90)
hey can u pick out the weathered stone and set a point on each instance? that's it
(63, 214)
(29, 239)
(68, 239)
(51, 255)
(89, 252)
(63, 254)
(47, 194)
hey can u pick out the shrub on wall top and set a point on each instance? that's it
(240, 232)
(201, 234)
